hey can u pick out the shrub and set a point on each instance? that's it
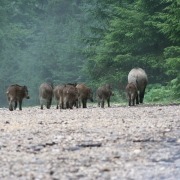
(158, 93)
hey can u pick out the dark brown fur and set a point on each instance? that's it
(104, 93)
(45, 95)
(70, 96)
(132, 93)
(84, 93)
(15, 94)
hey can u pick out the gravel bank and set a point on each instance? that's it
(112, 143)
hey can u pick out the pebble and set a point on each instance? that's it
(111, 143)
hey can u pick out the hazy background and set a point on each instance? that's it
(91, 41)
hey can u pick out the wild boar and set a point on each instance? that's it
(84, 93)
(104, 93)
(139, 77)
(70, 96)
(132, 93)
(15, 94)
(45, 95)
(58, 95)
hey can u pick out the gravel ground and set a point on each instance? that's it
(141, 142)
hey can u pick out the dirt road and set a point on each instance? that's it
(112, 143)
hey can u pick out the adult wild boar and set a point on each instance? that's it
(45, 95)
(58, 95)
(15, 94)
(132, 93)
(139, 77)
(104, 93)
(70, 96)
(84, 93)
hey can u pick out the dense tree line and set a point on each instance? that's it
(139, 33)
(87, 41)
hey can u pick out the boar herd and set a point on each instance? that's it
(67, 95)
(70, 95)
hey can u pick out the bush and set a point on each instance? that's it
(159, 93)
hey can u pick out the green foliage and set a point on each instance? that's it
(119, 97)
(168, 20)
(137, 37)
(39, 40)
(130, 41)
(175, 88)
(158, 93)
(172, 56)
(95, 42)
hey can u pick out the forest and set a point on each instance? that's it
(90, 41)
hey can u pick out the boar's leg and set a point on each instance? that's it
(76, 103)
(66, 103)
(108, 101)
(102, 103)
(129, 99)
(137, 99)
(133, 97)
(133, 101)
(15, 105)
(84, 102)
(141, 95)
(79, 102)
(99, 103)
(20, 104)
(129, 102)
(57, 105)
(50, 102)
(70, 104)
(48, 105)
(61, 103)
(41, 103)
(10, 106)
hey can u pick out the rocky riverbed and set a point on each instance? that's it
(117, 143)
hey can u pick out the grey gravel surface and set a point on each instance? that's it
(141, 142)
